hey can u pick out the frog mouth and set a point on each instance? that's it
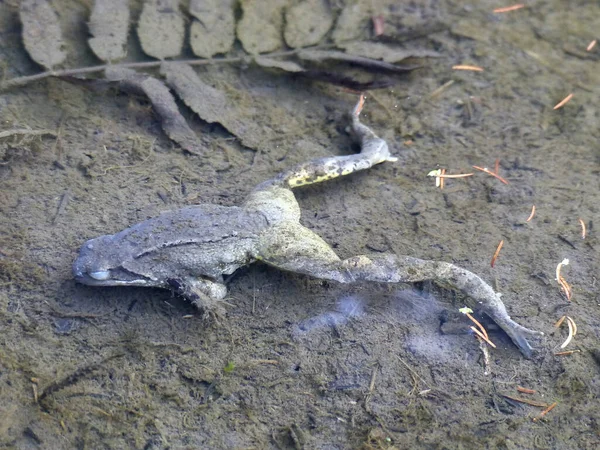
(108, 278)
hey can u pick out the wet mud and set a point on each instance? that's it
(298, 362)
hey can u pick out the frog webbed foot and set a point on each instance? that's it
(206, 295)
(519, 334)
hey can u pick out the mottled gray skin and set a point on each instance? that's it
(190, 249)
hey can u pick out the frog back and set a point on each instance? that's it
(206, 240)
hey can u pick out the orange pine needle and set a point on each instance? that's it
(567, 352)
(497, 252)
(467, 67)
(509, 8)
(563, 102)
(442, 178)
(525, 390)
(480, 334)
(532, 214)
(559, 322)
(476, 322)
(583, 232)
(566, 287)
(378, 24)
(359, 105)
(458, 175)
(591, 45)
(546, 411)
(495, 175)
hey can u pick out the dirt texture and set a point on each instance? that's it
(298, 362)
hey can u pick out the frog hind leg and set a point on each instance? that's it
(374, 150)
(291, 248)
(205, 294)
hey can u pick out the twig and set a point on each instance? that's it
(546, 411)
(25, 132)
(497, 252)
(20, 81)
(526, 401)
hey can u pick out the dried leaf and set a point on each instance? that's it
(214, 30)
(387, 53)
(41, 33)
(367, 63)
(259, 30)
(109, 26)
(163, 103)
(161, 28)
(307, 23)
(271, 63)
(212, 105)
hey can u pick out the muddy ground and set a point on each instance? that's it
(297, 362)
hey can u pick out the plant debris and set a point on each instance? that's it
(307, 22)
(163, 103)
(41, 33)
(213, 28)
(109, 26)
(210, 104)
(161, 28)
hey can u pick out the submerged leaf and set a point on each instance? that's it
(212, 105)
(214, 30)
(367, 63)
(163, 103)
(307, 23)
(109, 26)
(387, 53)
(161, 28)
(41, 33)
(259, 30)
(271, 63)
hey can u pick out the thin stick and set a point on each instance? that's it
(480, 334)
(574, 325)
(532, 214)
(441, 89)
(559, 322)
(497, 252)
(26, 132)
(583, 231)
(563, 102)
(467, 67)
(459, 175)
(567, 352)
(509, 8)
(591, 45)
(546, 411)
(525, 390)
(570, 336)
(526, 401)
(140, 65)
(495, 175)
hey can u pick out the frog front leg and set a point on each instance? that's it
(205, 294)
(295, 248)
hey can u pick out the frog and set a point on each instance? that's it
(192, 250)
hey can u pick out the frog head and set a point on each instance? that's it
(110, 261)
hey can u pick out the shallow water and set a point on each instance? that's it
(291, 365)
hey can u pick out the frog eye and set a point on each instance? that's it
(101, 275)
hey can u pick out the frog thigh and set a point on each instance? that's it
(293, 247)
(203, 293)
